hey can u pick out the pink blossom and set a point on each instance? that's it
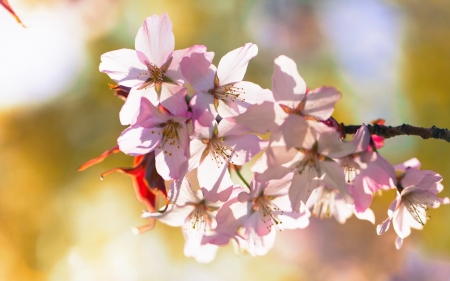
(160, 131)
(312, 164)
(253, 218)
(212, 148)
(152, 70)
(222, 91)
(196, 216)
(366, 171)
(326, 202)
(416, 192)
(293, 101)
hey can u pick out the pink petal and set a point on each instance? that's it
(361, 139)
(199, 72)
(196, 150)
(138, 141)
(270, 165)
(411, 163)
(401, 222)
(215, 178)
(227, 109)
(174, 72)
(320, 102)
(302, 186)
(361, 193)
(398, 243)
(130, 109)
(382, 228)
(335, 177)
(203, 109)
(341, 211)
(124, 67)
(277, 187)
(295, 130)
(249, 94)
(232, 66)
(228, 127)
(187, 196)
(245, 147)
(331, 145)
(259, 118)
(155, 40)
(171, 162)
(367, 215)
(177, 215)
(202, 253)
(173, 98)
(287, 84)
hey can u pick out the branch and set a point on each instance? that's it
(389, 131)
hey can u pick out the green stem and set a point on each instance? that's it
(238, 173)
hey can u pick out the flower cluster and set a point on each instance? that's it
(307, 165)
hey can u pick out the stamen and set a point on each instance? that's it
(228, 93)
(219, 151)
(199, 218)
(349, 171)
(417, 207)
(155, 76)
(169, 134)
(266, 209)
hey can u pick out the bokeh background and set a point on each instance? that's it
(390, 59)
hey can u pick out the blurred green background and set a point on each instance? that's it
(390, 59)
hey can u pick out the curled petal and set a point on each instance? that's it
(232, 66)
(382, 228)
(398, 243)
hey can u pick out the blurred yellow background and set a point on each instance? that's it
(390, 59)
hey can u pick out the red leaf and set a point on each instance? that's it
(98, 159)
(5, 4)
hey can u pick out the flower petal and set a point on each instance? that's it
(320, 102)
(232, 66)
(138, 140)
(155, 40)
(173, 98)
(287, 84)
(124, 67)
(199, 71)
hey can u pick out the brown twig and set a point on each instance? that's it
(405, 129)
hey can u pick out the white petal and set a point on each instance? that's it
(287, 84)
(232, 66)
(155, 40)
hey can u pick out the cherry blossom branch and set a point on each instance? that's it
(405, 129)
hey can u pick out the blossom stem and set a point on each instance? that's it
(405, 129)
(237, 169)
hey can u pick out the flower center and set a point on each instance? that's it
(155, 76)
(169, 134)
(219, 151)
(228, 92)
(268, 211)
(311, 159)
(199, 218)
